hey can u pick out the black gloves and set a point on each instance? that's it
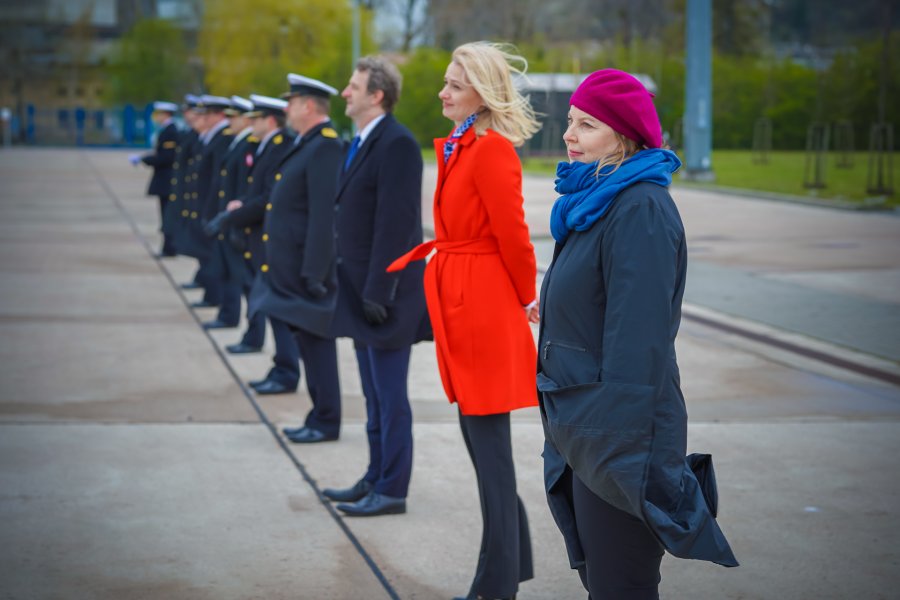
(376, 314)
(316, 289)
(216, 224)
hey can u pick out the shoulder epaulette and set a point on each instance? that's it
(328, 132)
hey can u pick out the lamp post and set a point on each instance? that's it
(698, 91)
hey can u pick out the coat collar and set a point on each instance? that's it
(466, 140)
(364, 151)
(306, 138)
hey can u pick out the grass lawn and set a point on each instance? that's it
(782, 175)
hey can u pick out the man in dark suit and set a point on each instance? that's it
(297, 283)
(379, 218)
(162, 160)
(243, 218)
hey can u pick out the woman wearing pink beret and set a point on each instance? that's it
(618, 482)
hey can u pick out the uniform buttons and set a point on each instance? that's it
(184, 213)
(221, 236)
(194, 214)
(173, 181)
(269, 206)
(221, 193)
(250, 179)
(223, 172)
(277, 176)
(186, 195)
(264, 268)
(247, 255)
(246, 230)
(172, 197)
(194, 195)
(265, 237)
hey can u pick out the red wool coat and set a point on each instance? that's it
(481, 277)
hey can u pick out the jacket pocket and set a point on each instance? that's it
(569, 363)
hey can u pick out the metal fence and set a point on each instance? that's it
(76, 126)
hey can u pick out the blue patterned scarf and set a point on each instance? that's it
(586, 198)
(450, 144)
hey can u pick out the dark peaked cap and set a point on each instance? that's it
(307, 86)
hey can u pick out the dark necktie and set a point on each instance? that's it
(354, 146)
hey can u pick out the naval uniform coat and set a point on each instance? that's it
(299, 232)
(481, 278)
(248, 219)
(204, 196)
(610, 392)
(161, 161)
(185, 240)
(228, 261)
(172, 215)
(379, 217)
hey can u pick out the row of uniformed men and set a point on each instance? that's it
(257, 206)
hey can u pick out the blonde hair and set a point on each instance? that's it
(627, 148)
(489, 69)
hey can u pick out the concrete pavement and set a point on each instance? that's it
(134, 463)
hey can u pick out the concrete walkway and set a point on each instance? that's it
(135, 464)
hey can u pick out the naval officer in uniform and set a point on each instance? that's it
(243, 217)
(298, 281)
(162, 161)
(228, 262)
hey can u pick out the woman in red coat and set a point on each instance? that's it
(480, 288)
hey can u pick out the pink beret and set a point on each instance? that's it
(622, 102)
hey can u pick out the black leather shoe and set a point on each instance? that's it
(203, 304)
(373, 505)
(243, 348)
(257, 382)
(308, 435)
(217, 324)
(356, 492)
(269, 387)
(191, 285)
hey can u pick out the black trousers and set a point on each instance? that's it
(622, 556)
(168, 246)
(505, 556)
(319, 356)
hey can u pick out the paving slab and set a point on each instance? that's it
(161, 511)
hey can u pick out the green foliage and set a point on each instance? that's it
(251, 47)
(148, 63)
(419, 107)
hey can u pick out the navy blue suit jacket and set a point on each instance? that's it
(379, 218)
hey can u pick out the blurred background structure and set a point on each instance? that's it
(814, 77)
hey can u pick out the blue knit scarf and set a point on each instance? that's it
(586, 198)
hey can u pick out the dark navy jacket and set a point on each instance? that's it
(228, 260)
(248, 219)
(204, 199)
(299, 234)
(609, 385)
(172, 217)
(161, 161)
(379, 218)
